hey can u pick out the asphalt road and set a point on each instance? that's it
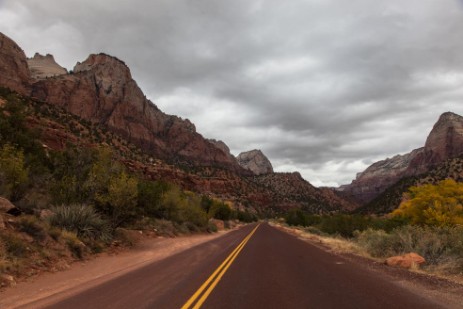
(249, 268)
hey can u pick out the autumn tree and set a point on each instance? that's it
(437, 205)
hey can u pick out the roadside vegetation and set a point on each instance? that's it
(80, 200)
(429, 221)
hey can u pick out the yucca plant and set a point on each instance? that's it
(82, 220)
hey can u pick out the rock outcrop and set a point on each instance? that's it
(444, 142)
(42, 67)
(408, 260)
(101, 90)
(14, 72)
(255, 161)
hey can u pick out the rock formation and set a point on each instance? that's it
(42, 67)
(14, 72)
(408, 260)
(255, 161)
(101, 90)
(444, 142)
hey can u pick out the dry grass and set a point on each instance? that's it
(445, 269)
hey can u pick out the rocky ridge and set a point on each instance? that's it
(102, 90)
(445, 141)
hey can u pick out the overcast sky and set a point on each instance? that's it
(324, 87)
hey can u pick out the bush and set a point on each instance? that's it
(296, 217)
(378, 243)
(344, 225)
(436, 244)
(220, 211)
(13, 173)
(82, 220)
(437, 205)
(74, 244)
(150, 197)
(15, 246)
(32, 226)
(211, 227)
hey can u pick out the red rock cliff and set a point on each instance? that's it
(101, 89)
(14, 72)
(445, 141)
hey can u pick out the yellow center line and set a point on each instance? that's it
(216, 275)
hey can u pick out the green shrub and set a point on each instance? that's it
(15, 246)
(245, 216)
(436, 244)
(296, 217)
(378, 243)
(32, 226)
(150, 196)
(74, 244)
(82, 220)
(211, 227)
(164, 228)
(344, 225)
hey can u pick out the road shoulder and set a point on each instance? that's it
(84, 275)
(446, 292)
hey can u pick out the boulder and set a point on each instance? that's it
(2, 224)
(7, 280)
(5, 205)
(406, 261)
(255, 161)
(46, 213)
(218, 223)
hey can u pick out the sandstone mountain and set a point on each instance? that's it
(101, 90)
(393, 196)
(444, 142)
(14, 70)
(255, 161)
(42, 67)
(99, 102)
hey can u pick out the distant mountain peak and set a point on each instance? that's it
(42, 67)
(445, 141)
(255, 161)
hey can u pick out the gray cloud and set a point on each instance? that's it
(324, 87)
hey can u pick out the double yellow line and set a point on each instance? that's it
(203, 292)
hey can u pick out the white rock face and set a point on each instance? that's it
(255, 161)
(42, 67)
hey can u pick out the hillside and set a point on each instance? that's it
(99, 102)
(391, 198)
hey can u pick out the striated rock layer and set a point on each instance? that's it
(445, 141)
(42, 67)
(101, 90)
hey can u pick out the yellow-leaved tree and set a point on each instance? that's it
(437, 205)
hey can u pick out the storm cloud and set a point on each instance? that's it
(322, 87)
